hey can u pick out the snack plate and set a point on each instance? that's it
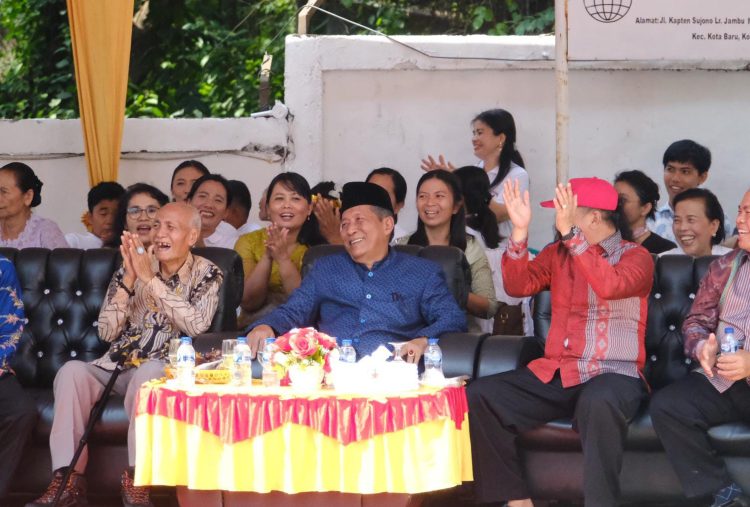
(204, 376)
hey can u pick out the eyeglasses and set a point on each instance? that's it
(135, 211)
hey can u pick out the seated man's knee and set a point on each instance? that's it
(665, 403)
(71, 372)
(606, 399)
(478, 388)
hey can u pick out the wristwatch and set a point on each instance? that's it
(572, 232)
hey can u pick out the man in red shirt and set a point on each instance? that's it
(594, 352)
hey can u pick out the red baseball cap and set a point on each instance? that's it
(592, 193)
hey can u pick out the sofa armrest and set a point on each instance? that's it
(499, 354)
(460, 353)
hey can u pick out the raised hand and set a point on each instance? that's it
(566, 204)
(519, 209)
(129, 276)
(139, 257)
(277, 242)
(707, 354)
(429, 164)
(329, 220)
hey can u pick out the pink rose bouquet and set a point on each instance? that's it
(304, 348)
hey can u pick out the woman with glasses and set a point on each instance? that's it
(136, 212)
(20, 191)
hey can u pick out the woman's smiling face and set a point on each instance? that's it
(436, 203)
(692, 227)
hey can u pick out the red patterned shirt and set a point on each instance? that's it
(599, 304)
(723, 300)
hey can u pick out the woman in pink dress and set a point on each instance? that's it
(21, 190)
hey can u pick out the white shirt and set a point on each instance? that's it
(225, 236)
(83, 240)
(398, 232)
(494, 257)
(715, 250)
(516, 172)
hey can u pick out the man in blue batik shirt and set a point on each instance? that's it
(372, 293)
(17, 410)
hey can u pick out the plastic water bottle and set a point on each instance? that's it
(243, 362)
(186, 362)
(433, 360)
(347, 354)
(729, 343)
(270, 376)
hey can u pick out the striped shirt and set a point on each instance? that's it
(162, 309)
(723, 300)
(599, 304)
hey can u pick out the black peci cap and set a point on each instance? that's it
(359, 193)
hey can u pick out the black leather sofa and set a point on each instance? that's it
(552, 453)
(63, 290)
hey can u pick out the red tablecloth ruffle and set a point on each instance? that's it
(236, 417)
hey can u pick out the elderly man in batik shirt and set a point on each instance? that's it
(158, 294)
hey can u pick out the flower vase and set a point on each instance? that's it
(306, 378)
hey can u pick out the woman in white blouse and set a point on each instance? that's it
(494, 141)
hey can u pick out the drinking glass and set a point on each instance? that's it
(174, 344)
(227, 353)
(397, 350)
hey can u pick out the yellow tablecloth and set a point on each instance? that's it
(258, 439)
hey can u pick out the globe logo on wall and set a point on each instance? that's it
(607, 11)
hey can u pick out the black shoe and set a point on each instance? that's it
(74, 494)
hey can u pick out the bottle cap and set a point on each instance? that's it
(728, 330)
(432, 341)
(346, 342)
(242, 339)
(270, 339)
(186, 339)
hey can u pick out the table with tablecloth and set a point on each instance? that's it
(221, 437)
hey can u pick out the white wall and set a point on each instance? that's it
(364, 102)
(249, 149)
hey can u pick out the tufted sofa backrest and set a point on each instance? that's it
(63, 290)
(676, 279)
(452, 260)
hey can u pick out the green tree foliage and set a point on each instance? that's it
(196, 58)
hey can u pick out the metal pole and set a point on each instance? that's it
(562, 114)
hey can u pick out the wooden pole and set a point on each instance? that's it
(562, 115)
(303, 20)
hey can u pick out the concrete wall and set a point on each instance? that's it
(364, 102)
(250, 149)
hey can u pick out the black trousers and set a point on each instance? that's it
(504, 405)
(682, 413)
(17, 419)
